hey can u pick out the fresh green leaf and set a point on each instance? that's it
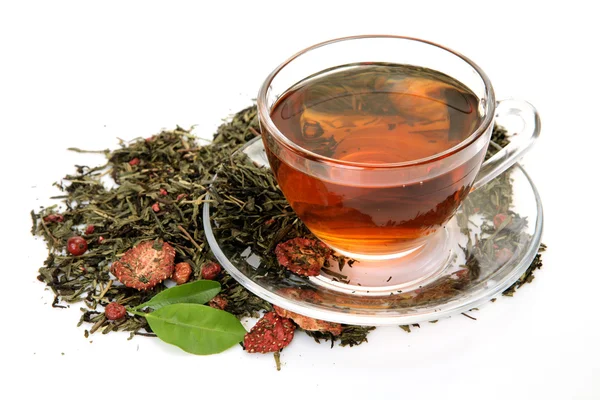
(196, 328)
(198, 292)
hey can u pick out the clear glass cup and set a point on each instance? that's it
(423, 248)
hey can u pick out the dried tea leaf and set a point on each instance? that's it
(160, 186)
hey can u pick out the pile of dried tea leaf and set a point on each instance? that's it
(160, 186)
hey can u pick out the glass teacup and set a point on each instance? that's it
(382, 208)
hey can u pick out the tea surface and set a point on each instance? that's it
(377, 113)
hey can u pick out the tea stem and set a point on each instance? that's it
(103, 293)
(134, 311)
(468, 316)
(56, 241)
(98, 324)
(77, 150)
(190, 238)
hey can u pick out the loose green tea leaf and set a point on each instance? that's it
(351, 335)
(406, 328)
(198, 292)
(528, 276)
(239, 183)
(160, 188)
(195, 328)
(169, 169)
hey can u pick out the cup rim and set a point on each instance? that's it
(265, 114)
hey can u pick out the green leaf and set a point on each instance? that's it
(195, 328)
(198, 292)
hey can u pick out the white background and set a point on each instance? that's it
(84, 73)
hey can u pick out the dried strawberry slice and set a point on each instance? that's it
(271, 333)
(145, 265)
(307, 295)
(310, 324)
(303, 256)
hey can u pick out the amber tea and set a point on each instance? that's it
(369, 116)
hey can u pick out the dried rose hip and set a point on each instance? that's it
(114, 311)
(54, 218)
(76, 245)
(145, 265)
(163, 192)
(89, 229)
(134, 161)
(156, 207)
(271, 333)
(219, 302)
(182, 273)
(310, 324)
(210, 270)
(302, 256)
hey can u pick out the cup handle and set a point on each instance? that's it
(517, 116)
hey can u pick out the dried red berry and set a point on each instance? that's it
(145, 265)
(100, 239)
(310, 324)
(90, 229)
(76, 245)
(156, 207)
(271, 333)
(219, 302)
(303, 256)
(499, 220)
(54, 218)
(270, 222)
(163, 192)
(114, 311)
(181, 196)
(211, 270)
(182, 273)
(134, 161)
(503, 255)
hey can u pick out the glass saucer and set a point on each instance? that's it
(486, 256)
